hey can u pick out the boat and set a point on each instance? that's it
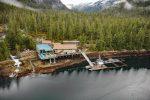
(112, 61)
(12, 75)
(16, 60)
(99, 61)
(98, 65)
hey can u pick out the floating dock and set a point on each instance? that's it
(101, 64)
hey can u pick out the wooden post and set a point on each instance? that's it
(54, 60)
(50, 61)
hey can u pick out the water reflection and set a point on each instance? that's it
(6, 83)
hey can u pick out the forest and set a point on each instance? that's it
(101, 30)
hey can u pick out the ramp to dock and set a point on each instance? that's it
(86, 57)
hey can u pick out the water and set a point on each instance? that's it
(79, 84)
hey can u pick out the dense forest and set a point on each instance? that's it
(102, 30)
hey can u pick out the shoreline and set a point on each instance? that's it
(47, 68)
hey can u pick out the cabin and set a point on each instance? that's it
(65, 48)
(45, 52)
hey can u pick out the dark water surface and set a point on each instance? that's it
(80, 84)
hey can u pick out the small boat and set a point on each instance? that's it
(99, 61)
(12, 75)
(98, 65)
(111, 61)
(87, 67)
(16, 60)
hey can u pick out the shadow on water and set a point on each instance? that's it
(135, 63)
(5, 83)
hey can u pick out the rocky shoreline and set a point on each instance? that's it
(6, 66)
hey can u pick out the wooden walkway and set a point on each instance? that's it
(67, 55)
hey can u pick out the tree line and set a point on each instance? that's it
(100, 30)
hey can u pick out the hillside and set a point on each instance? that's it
(140, 3)
(121, 10)
(5, 7)
(96, 6)
(44, 4)
(36, 4)
(107, 4)
(111, 29)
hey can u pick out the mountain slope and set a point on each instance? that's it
(45, 4)
(99, 5)
(105, 4)
(36, 4)
(127, 10)
(141, 3)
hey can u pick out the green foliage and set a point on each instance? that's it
(20, 41)
(4, 51)
(103, 30)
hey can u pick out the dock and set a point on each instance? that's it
(101, 64)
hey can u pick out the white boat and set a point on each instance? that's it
(99, 61)
(111, 61)
(12, 75)
(17, 65)
(87, 67)
(16, 60)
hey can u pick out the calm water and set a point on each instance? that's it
(79, 84)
